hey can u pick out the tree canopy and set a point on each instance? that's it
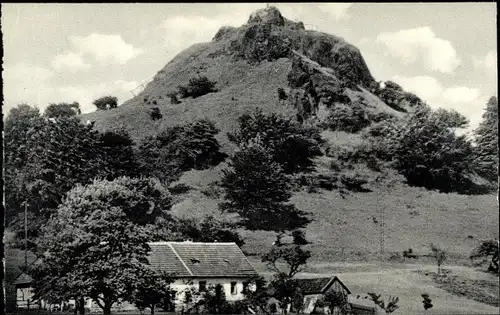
(62, 110)
(486, 150)
(257, 189)
(291, 144)
(106, 102)
(95, 245)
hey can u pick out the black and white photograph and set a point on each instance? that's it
(250, 158)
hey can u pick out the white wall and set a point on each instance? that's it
(182, 285)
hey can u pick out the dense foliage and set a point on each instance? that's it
(258, 191)
(106, 102)
(63, 109)
(292, 145)
(96, 244)
(196, 87)
(180, 148)
(426, 150)
(486, 150)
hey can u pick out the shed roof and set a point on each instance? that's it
(23, 278)
(192, 259)
(318, 285)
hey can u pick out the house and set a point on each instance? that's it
(316, 288)
(192, 265)
(199, 265)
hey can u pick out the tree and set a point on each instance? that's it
(391, 304)
(290, 144)
(197, 87)
(180, 148)
(258, 191)
(18, 123)
(439, 255)
(257, 295)
(151, 289)
(209, 230)
(335, 300)
(62, 110)
(486, 150)
(95, 245)
(294, 257)
(117, 155)
(350, 118)
(427, 151)
(486, 249)
(426, 301)
(106, 102)
(60, 153)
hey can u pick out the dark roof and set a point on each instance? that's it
(191, 259)
(318, 285)
(23, 278)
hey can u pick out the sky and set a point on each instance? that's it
(446, 53)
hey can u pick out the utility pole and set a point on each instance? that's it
(26, 234)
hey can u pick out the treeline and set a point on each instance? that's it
(95, 199)
(48, 154)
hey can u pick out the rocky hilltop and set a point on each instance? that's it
(249, 64)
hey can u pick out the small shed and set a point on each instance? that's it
(315, 288)
(24, 292)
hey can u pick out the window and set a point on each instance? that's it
(202, 286)
(233, 288)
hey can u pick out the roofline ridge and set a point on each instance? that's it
(179, 257)
(329, 283)
(189, 242)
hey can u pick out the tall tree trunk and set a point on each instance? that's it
(81, 306)
(107, 308)
(152, 310)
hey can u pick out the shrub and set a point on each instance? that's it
(173, 98)
(282, 94)
(155, 113)
(180, 189)
(106, 102)
(197, 87)
(297, 76)
(63, 110)
(321, 52)
(349, 119)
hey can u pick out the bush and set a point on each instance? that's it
(349, 119)
(282, 94)
(106, 102)
(155, 113)
(321, 53)
(297, 76)
(173, 98)
(197, 87)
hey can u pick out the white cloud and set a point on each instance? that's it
(421, 44)
(425, 87)
(70, 60)
(465, 100)
(487, 63)
(24, 83)
(86, 94)
(461, 94)
(104, 47)
(337, 10)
